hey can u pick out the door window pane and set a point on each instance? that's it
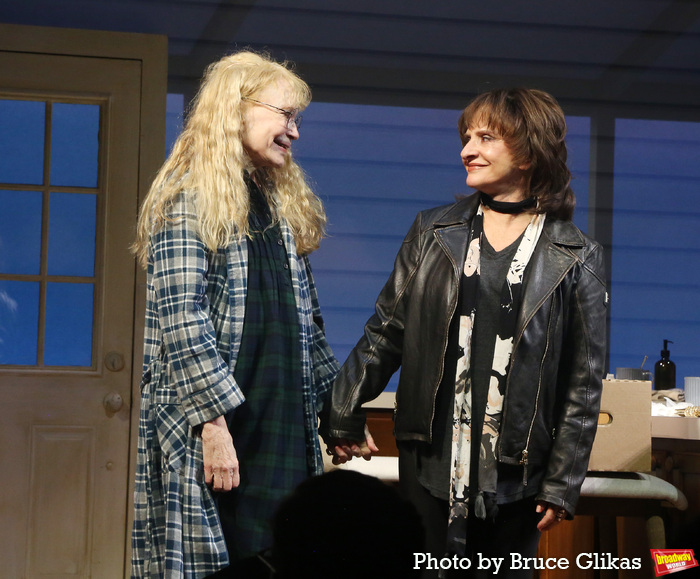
(65, 338)
(75, 144)
(20, 232)
(68, 324)
(19, 322)
(22, 141)
(72, 218)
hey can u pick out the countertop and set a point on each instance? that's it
(680, 427)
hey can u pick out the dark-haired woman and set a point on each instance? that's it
(495, 312)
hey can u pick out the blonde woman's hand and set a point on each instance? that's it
(220, 460)
(344, 449)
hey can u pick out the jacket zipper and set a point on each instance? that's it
(524, 459)
(456, 270)
(523, 462)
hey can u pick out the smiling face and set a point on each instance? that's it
(491, 167)
(266, 138)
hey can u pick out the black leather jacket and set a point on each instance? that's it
(555, 378)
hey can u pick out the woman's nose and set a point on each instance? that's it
(467, 151)
(293, 131)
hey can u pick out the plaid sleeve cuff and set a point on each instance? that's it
(215, 400)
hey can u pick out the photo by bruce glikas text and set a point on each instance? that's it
(597, 561)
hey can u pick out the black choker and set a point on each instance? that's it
(508, 207)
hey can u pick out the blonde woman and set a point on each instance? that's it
(236, 364)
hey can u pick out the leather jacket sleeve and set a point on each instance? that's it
(377, 355)
(580, 385)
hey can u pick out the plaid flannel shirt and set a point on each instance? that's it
(194, 321)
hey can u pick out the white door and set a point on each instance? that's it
(69, 180)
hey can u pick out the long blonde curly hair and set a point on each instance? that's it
(208, 160)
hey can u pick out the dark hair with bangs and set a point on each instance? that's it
(532, 124)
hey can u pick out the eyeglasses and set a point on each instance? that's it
(293, 117)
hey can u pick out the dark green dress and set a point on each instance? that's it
(268, 428)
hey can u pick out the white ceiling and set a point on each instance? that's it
(433, 53)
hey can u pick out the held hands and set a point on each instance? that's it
(220, 460)
(553, 515)
(344, 449)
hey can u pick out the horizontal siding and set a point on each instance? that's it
(655, 284)
(369, 179)
(375, 168)
(648, 266)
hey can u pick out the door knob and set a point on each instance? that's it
(113, 403)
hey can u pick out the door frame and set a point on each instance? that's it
(152, 52)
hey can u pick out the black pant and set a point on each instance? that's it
(513, 532)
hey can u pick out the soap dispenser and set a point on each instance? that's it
(665, 370)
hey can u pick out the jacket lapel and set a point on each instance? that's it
(552, 259)
(452, 229)
(453, 241)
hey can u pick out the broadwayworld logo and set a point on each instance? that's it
(672, 560)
